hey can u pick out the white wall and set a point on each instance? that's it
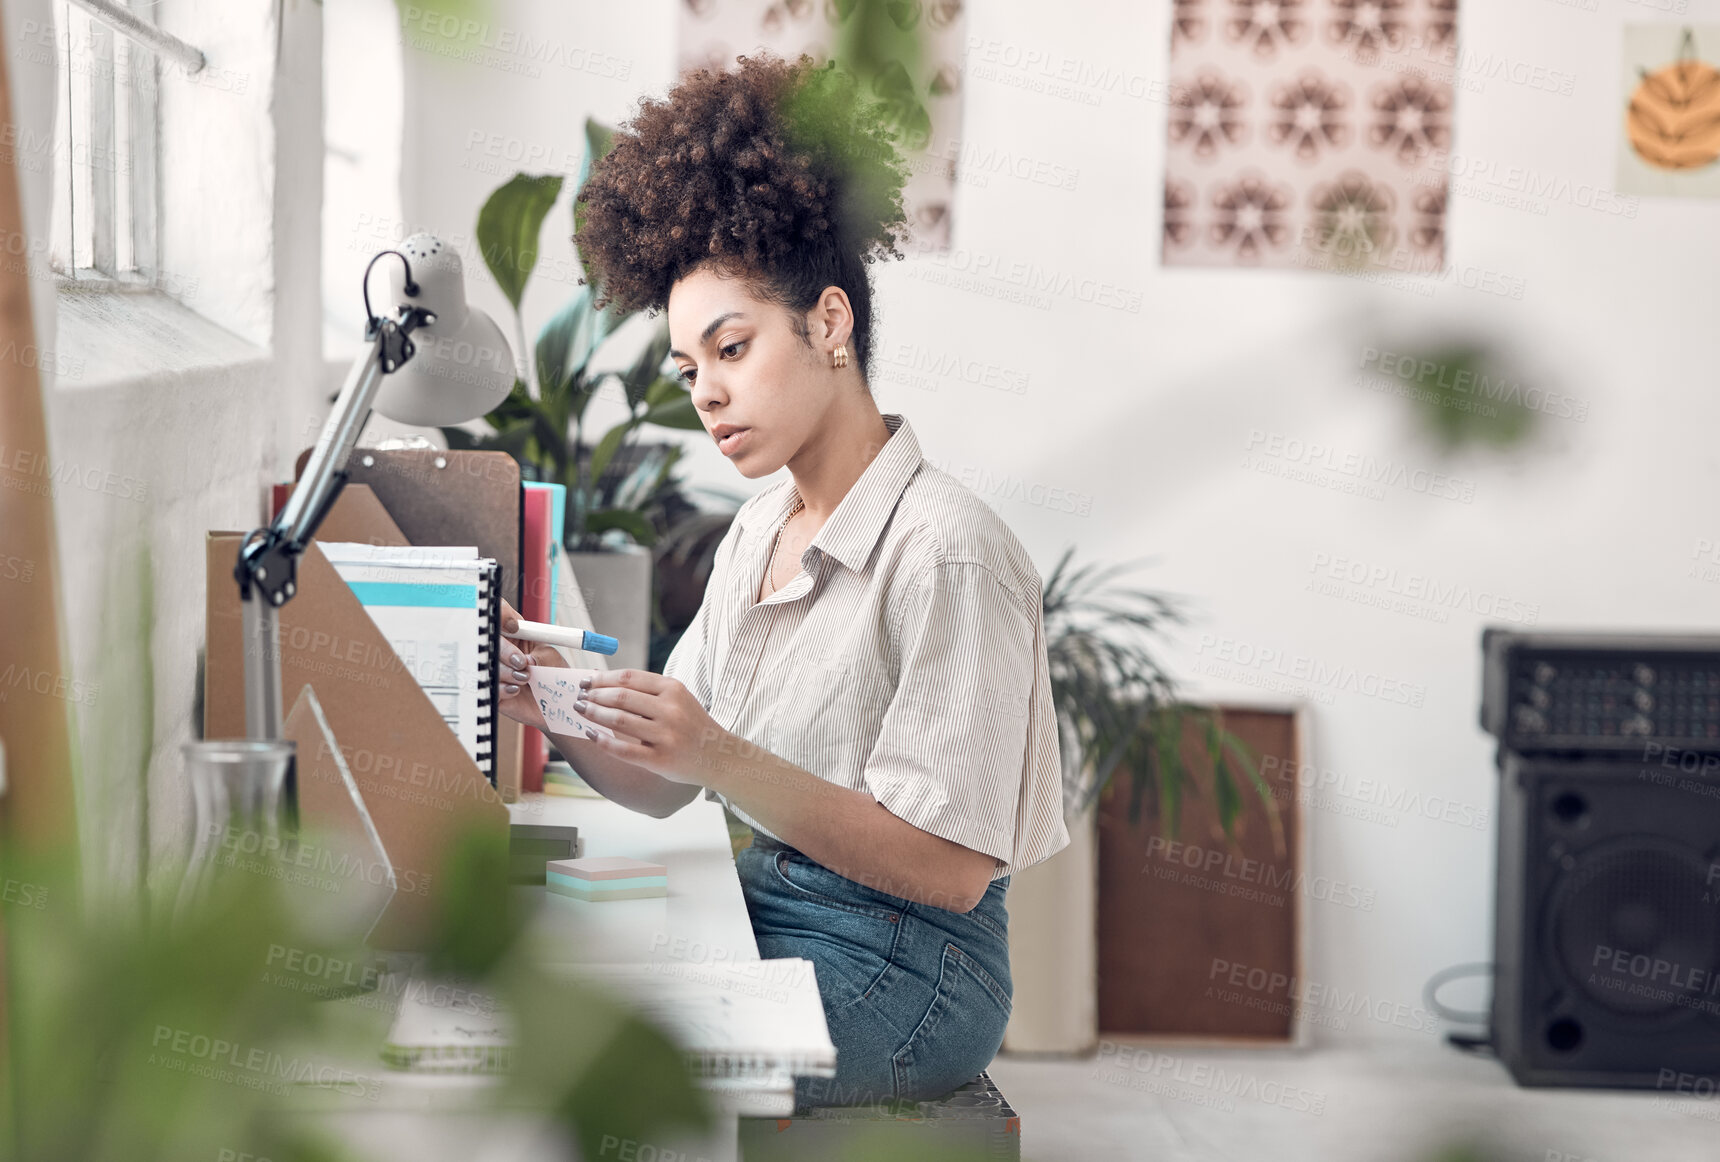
(1149, 413)
(165, 414)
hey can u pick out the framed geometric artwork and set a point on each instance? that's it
(1309, 134)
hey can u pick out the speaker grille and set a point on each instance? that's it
(1635, 928)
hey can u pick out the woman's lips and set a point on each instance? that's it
(734, 440)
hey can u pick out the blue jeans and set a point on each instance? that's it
(916, 996)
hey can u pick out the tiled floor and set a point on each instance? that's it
(1408, 1102)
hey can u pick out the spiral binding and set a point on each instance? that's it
(489, 648)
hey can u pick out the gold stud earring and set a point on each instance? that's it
(839, 357)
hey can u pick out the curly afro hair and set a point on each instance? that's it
(777, 172)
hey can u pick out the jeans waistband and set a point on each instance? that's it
(765, 843)
(761, 840)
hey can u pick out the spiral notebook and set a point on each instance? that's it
(440, 609)
(742, 1022)
(747, 1028)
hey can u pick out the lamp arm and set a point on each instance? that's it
(267, 568)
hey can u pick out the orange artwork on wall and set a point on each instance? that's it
(1669, 115)
(1674, 115)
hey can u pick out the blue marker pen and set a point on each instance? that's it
(561, 635)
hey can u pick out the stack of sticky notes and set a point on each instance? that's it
(606, 877)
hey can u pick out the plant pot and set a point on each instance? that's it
(1053, 948)
(616, 584)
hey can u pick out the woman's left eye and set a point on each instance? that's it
(735, 346)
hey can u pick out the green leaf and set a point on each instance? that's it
(635, 491)
(513, 440)
(1224, 789)
(610, 1105)
(647, 369)
(460, 440)
(476, 919)
(569, 340)
(555, 344)
(667, 388)
(550, 444)
(608, 1075)
(603, 324)
(628, 520)
(608, 446)
(508, 228)
(676, 413)
(599, 139)
(1245, 760)
(673, 453)
(517, 405)
(1167, 739)
(578, 508)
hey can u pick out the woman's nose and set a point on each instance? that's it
(707, 392)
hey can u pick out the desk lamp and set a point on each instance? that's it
(441, 362)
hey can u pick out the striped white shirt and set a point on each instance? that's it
(906, 660)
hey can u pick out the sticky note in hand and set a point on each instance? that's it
(555, 689)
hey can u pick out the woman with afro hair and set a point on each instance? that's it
(865, 683)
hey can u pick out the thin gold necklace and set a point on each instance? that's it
(776, 543)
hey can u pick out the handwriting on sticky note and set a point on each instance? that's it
(555, 689)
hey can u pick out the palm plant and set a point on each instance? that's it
(1116, 706)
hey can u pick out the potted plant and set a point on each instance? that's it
(1116, 706)
(1116, 709)
(617, 486)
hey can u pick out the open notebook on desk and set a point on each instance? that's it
(440, 609)
(748, 1028)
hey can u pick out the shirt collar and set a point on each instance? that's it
(852, 531)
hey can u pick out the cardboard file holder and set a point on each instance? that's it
(419, 785)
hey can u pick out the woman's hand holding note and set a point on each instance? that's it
(513, 672)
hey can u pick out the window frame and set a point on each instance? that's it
(106, 220)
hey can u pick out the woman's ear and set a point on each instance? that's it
(832, 317)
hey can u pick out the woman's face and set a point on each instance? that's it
(747, 369)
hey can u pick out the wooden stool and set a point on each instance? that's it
(973, 1122)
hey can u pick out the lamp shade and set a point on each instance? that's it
(463, 367)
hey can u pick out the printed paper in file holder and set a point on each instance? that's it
(440, 608)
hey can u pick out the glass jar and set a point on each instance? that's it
(240, 807)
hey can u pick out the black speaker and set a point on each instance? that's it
(1607, 925)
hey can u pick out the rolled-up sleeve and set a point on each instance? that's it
(956, 737)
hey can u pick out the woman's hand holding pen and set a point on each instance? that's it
(515, 699)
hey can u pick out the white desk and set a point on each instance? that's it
(702, 920)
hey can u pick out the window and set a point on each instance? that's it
(103, 152)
